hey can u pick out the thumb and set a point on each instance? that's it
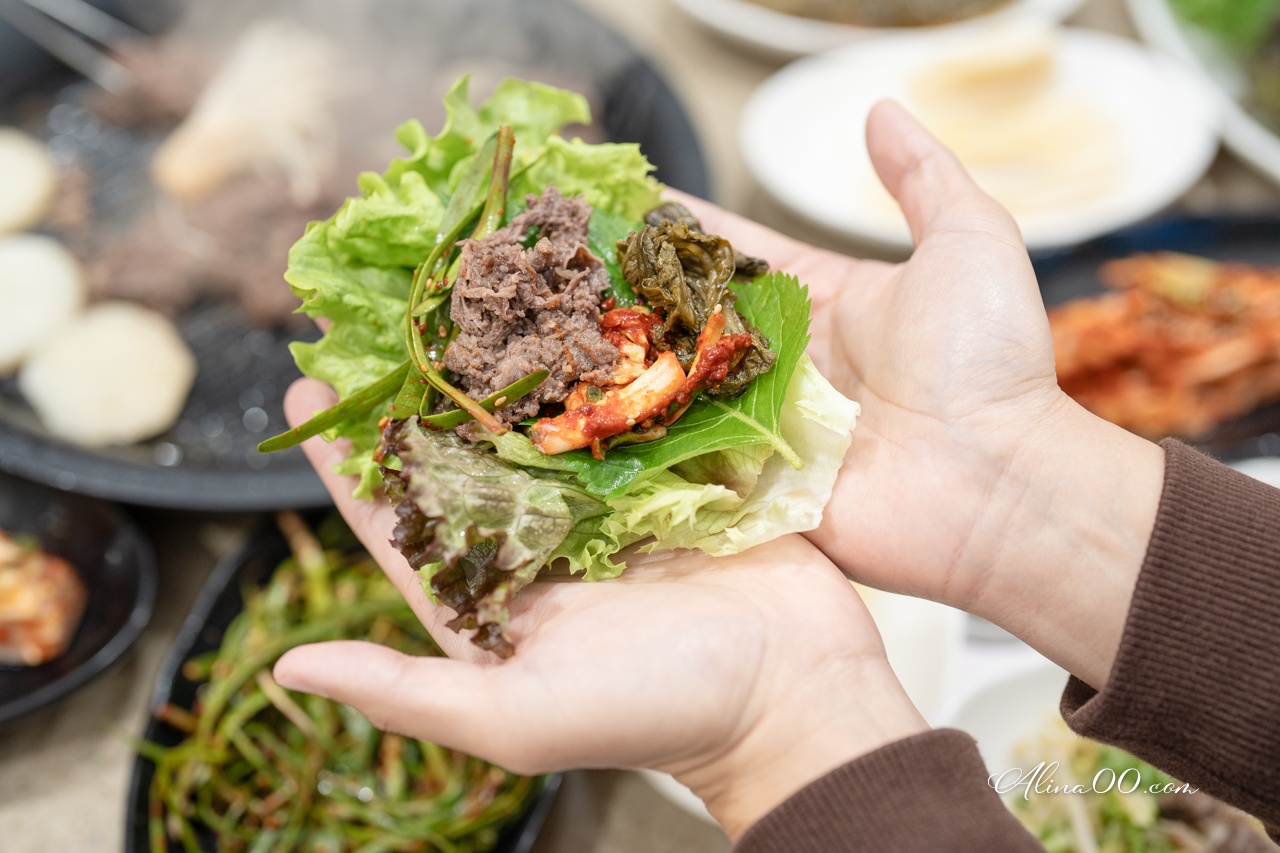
(932, 187)
(459, 705)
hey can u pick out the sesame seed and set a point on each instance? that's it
(500, 401)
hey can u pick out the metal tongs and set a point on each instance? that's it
(69, 29)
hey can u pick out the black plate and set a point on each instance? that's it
(218, 603)
(119, 570)
(208, 460)
(1068, 274)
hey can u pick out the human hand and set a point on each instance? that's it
(972, 479)
(747, 677)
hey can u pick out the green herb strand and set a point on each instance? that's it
(491, 213)
(513, 392)
(357, 405)
(273, 771)
(409, 400)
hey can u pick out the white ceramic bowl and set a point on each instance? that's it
(1008, 710)
(1248, 138)
(777, 34)
(802, 132)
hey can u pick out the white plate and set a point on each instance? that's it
(1248, 138)
(1010, 710)
(803, 131)
(666, 785)
(789, 36)
(1264, 469)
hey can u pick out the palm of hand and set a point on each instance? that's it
(761, 671)
(716, 639)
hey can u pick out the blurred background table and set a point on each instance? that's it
(64, 774)
(714, 79)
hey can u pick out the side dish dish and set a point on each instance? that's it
(1184, 344)
(1129, 807)
(586, 370)
(41, 602)
(264, 768)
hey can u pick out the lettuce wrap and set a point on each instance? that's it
(481, 516)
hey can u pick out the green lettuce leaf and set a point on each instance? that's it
(482, 526)
(435, 157)
(391, 225)
(395, 220)
(611, 176)
(736, 468)
(817, 421)
(365, 305)
(589, 549)
(363, 435)
(730, 499)
(535, 112)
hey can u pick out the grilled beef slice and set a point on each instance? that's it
(523, 309)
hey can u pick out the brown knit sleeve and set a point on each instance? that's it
(1195, 687)
(924, 794)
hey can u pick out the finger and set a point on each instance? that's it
(932, 187)
(371, 521)
(825, 272)
(465, 706)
